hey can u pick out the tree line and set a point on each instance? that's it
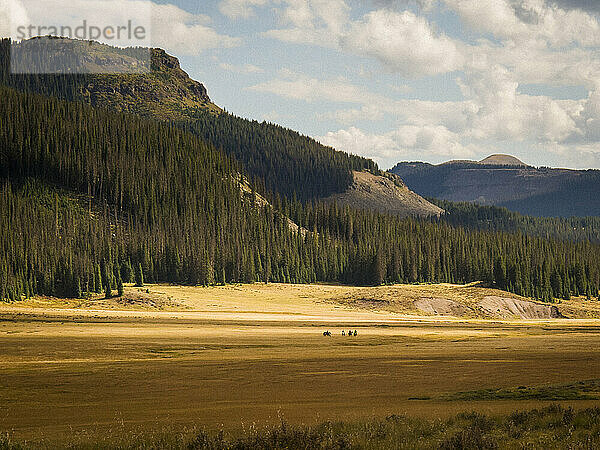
(495, 218)
(91, 199)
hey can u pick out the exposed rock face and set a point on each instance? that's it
(386, 194)
(165, 63)
(147, 82)
(489, 307)
(510, 307)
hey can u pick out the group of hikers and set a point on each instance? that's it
(350, 333)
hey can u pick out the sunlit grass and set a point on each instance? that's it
(553, 427)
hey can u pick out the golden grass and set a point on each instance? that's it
(226, 357)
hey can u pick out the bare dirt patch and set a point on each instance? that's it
(510, 307)
(442, 307)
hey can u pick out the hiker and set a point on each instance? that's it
(355, 333)
(343, 333)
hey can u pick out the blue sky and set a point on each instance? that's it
(394, 80)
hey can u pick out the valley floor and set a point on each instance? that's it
(240, 356)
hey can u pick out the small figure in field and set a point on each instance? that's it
(349, 332)
(326, 333)
(355, 333)
(343, 333)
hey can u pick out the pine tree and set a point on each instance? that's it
(78, 291)
(120, 287)
(139, 276)
(98, 279)
(108, 287)
(127, 271)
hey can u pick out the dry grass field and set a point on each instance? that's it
(235, 357)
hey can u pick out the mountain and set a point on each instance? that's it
(147, 82)
(279, 161)
(492, 160)
(503, 180)
(502, 160)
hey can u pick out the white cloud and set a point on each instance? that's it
(588, 119)
(533, 62)
(523, 20)
(301, 87)
(329, 14)
(185, 33)
(403, 42)
(504, 114)
(353, 140)
(406, 142)
(535, 42)
(12, 13)
(315, 22)
(236, 9)
(353, 115)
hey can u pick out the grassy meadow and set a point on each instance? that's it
(226, 367)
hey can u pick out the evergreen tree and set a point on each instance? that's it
(108, 287)
(120, 287)
(139, 276)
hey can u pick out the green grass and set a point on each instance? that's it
(553, 427)
(582, 390)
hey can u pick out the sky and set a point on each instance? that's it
(392, 80)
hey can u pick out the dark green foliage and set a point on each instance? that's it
(378, 248)
(279, 159)
(126, 271)
(108, 284)
(120, 287)
(158, 196)
(87, 194)
(581, 390)
(139, 276)
(494, 218)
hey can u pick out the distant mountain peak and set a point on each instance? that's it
(502, 160)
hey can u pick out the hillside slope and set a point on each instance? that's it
(279, 161)
(542, 192)
(383, 193)
(166, 205)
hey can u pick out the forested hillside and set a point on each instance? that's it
(278, 160)
(89, 197)
(494, 218)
